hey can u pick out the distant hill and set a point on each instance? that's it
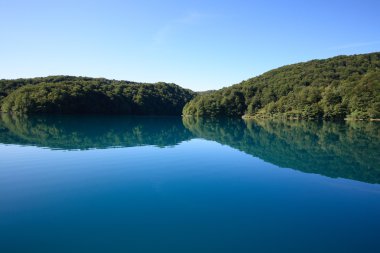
(335, 88)
(68, 94)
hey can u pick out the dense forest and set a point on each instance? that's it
(335, 88)
(67, 94)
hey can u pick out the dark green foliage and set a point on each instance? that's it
(64, 94)
(335, 88)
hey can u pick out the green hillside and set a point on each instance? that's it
(335, 88)
(67, 94)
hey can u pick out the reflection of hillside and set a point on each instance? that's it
(78, 132)
(346, 150)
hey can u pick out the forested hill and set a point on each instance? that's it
(68, 94)
(335, 88)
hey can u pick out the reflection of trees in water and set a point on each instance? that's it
(78, 132)
(347, 150)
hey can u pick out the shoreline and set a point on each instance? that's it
(249, 117)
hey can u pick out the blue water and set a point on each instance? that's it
(164, 184)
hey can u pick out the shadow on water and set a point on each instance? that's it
(347, 150)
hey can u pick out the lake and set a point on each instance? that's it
(172, 184)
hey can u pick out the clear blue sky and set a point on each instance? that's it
(199, 44)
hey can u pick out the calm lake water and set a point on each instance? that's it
(167, 184)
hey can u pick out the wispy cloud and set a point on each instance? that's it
(356, 45)
(191, 18)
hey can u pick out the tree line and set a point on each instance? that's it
(335, 88)
(67, 94)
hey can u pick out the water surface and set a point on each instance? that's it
(167, 184)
